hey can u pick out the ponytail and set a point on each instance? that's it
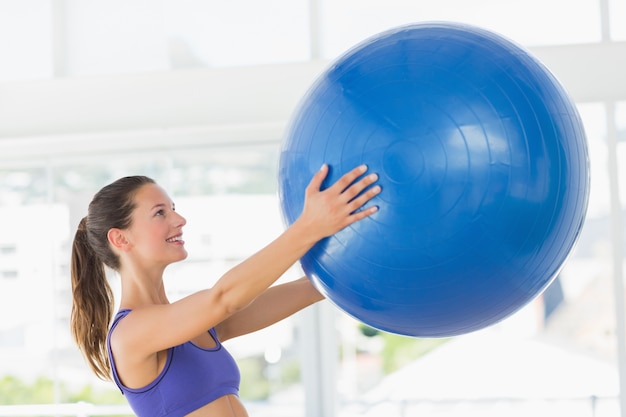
(92, 306)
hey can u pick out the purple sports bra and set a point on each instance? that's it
(192, 377)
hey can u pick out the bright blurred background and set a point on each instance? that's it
(197, 94)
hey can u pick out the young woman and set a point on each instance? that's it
(167, 358)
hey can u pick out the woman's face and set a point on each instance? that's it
(155, 234)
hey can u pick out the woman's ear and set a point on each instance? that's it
(117, 238)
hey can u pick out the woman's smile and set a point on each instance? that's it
(177, 240)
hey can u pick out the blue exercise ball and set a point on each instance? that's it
(483, 163)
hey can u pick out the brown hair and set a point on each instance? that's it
(92, 307)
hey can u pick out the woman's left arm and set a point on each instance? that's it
(273, 305)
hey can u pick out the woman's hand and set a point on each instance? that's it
(327, 212)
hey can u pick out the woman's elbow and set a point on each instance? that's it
(229, 302)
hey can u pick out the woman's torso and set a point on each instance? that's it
(197, 378)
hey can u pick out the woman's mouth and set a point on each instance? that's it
(176, 239)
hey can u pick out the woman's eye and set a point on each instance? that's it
(160, 213)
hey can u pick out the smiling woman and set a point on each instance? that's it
(167, 358)
(93, 91)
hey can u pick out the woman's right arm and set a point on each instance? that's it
(325, 213)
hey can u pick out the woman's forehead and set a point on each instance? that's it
(152, 194)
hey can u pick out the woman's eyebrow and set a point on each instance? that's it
(161, 205)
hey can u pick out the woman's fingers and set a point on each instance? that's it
(330, 210)
(344, 183)
(346, 187)
(357, 188)
(355, 194)
(316, 182)
(363, 198)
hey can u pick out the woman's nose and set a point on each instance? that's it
(181, 220)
